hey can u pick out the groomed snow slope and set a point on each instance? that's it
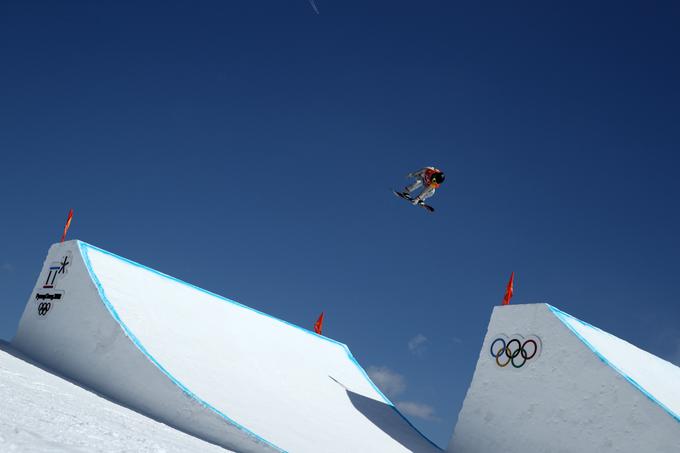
(655, 377)
(203, 363)
(574, 389)
(40, 412)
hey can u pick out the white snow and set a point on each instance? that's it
(653, 376)
(41, 413)
(566, 398)
(244, 380)
(205, 364)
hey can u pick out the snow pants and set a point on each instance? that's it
(425, 194)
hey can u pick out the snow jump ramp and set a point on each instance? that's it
(546, 382)
(202, 363)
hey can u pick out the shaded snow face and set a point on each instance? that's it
(655, 377)
(563, 394)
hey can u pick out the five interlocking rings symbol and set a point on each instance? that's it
(44, 307)
(514, 351)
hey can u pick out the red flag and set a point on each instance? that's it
(68, 224)
(509, 289)
(319, 324)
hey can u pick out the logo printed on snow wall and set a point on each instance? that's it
(515, 350)
(48, 295)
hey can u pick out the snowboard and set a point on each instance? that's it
(409, 198)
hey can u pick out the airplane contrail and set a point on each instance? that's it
(316, 10)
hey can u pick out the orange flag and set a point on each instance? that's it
(509, 290)
(68, 224)
(319, 324)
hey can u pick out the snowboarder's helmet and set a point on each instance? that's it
(438, 177)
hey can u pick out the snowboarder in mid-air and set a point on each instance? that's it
(430, 178)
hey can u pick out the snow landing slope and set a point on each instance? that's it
(202, 363)
(41, 412)
(571, 388)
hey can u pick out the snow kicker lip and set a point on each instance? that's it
(202, 363)
(84, 248)
(565, 317)
(579, 389)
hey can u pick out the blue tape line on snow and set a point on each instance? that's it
(561, 315)
(84, 252)
(84, 246)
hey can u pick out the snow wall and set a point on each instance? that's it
(571, 388)
(202, 363)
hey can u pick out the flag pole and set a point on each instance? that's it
(318, 325)
(509, 290)
(68, 225)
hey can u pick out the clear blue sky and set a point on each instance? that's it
(249, 148)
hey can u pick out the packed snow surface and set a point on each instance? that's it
(42, 413)
(292, 388)
(579, 390)
(203, 363)
(655, 377)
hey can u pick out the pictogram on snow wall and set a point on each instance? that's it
(49, 294)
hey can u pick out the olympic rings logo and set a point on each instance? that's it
(516, 351)
(43, 308)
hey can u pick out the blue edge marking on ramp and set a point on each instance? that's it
(84, 247)
(562, 315)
